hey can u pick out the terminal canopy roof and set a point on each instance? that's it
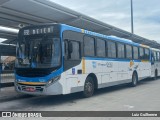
(18, 13)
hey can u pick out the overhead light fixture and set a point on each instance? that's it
(2, 39)
(7, 29)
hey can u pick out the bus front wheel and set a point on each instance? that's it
(134, 79)
(88, 87)
(155, 75)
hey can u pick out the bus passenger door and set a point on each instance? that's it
(71, 64)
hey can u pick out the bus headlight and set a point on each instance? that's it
(53, 80)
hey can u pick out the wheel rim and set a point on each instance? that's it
(89, 88)
(134, 80)
(155, 75)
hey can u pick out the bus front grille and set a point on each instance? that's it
(37, 88)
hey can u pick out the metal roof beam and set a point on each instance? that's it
(45, 11)
(72, 20)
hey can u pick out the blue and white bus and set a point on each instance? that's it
(57, 59)
(155, 63)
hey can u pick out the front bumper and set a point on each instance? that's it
(54, 89)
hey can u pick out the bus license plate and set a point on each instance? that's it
(30, 89)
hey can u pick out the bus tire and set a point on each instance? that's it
(155, 75)
(88, 87)
(134, 79)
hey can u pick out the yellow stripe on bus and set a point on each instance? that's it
(83, 66)
(144, 46)
(144, 60)
(131, 63)
(82, 30)
(32, 83)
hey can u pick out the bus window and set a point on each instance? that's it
(155, 56)
(152, 57)
(66, 49)
(158, 55)
(89, 49)
(100, 48)
(141, 53)
(146, 55)
(111, 49)
(135, 52)
(72, 50)
(120, 48)
(128, 52)
(75, 55)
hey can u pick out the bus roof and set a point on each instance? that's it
(72, 28)
(114, 38)
(154, 49)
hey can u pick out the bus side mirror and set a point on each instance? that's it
(70, 47)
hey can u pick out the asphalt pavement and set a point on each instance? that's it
(144, 97)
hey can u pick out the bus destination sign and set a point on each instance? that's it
(37, 31)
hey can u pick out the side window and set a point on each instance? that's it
(75, 55)
(146, 54)
(120, 48)
(100, 48)
(152, 56)
(72, 50)
(135, 52)
(158, 56)
(89, 49)
(141, 53)
(66, 49)
(128, 51)
(111, 49)
(155, 56)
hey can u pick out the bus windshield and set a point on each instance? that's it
(38, 53)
